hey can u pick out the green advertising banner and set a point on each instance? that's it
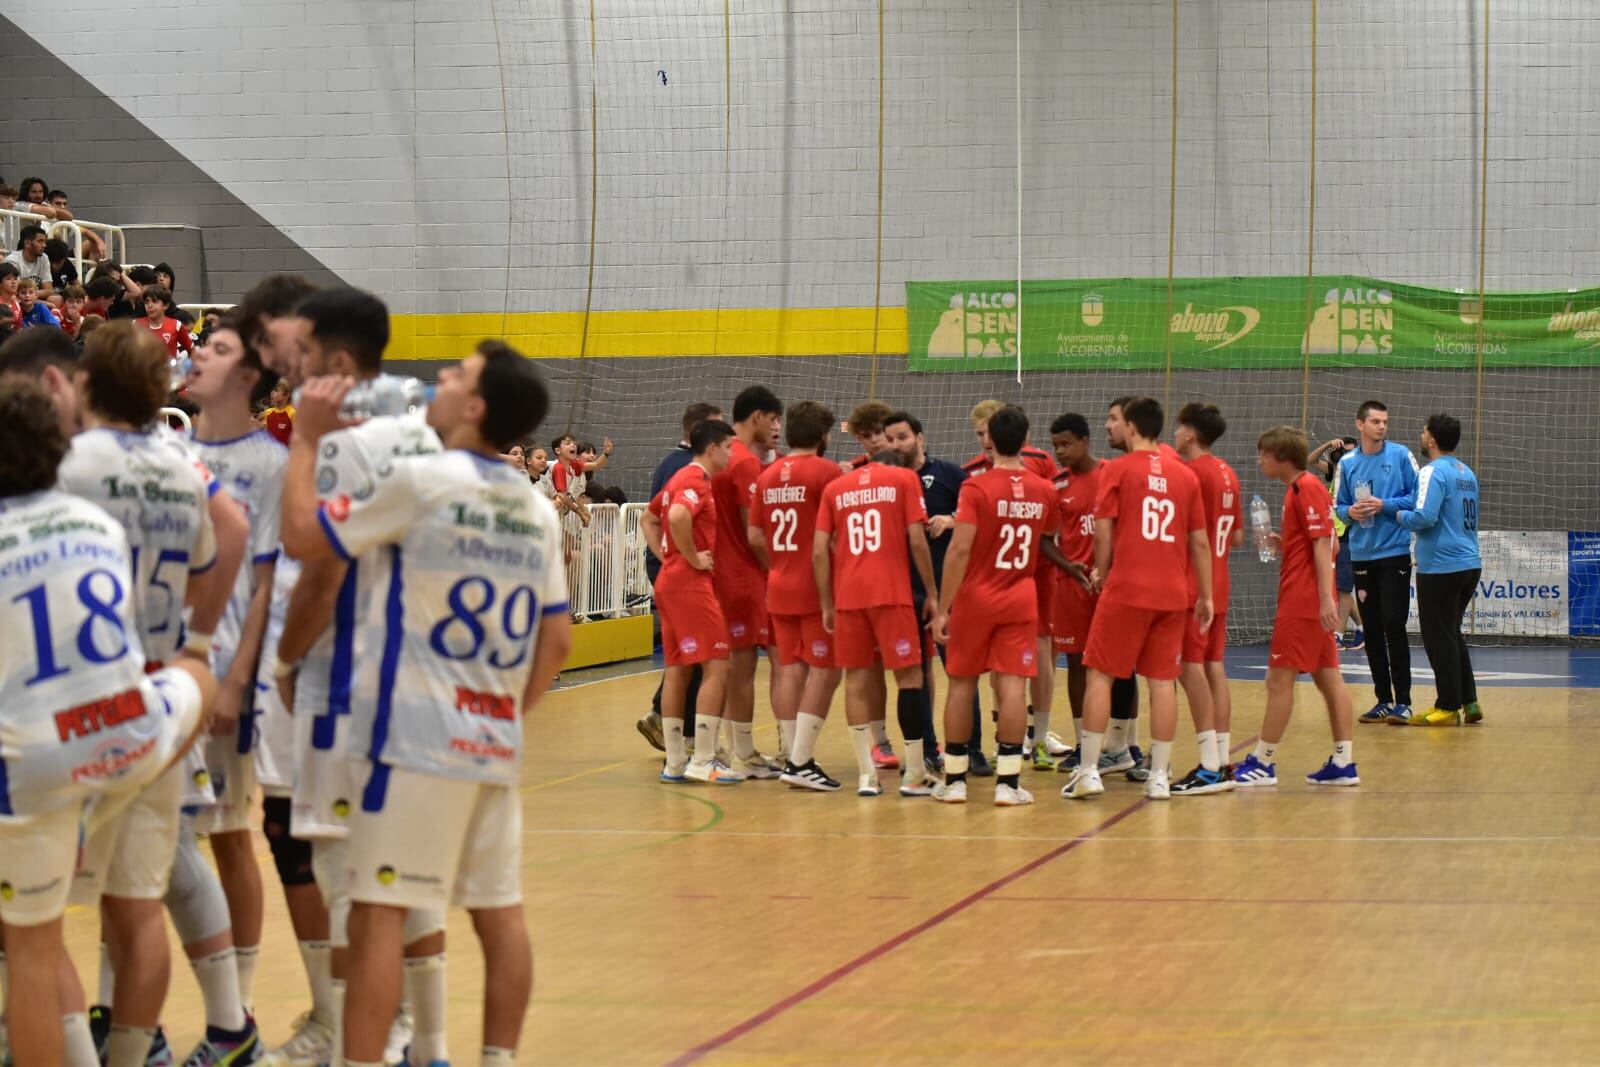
(1341, 321)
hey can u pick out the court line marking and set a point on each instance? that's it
(1121, 839)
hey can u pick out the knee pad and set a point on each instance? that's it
(194, 895)
(290, 855)
(420, 922)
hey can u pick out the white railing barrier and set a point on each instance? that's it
(604, 566)
(13, 221)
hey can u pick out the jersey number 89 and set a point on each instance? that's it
(462, 635)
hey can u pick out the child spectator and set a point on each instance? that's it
(278, 417)
(91, 323)
(73, 299)
(166, 277)
(174, 334)
(9, 275)
(35, 312)
(102, 293)
(591, 460)
(62, 270)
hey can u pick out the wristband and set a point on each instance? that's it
(197, 643)
(282, 670)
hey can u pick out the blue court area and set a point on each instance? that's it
(1498, 665)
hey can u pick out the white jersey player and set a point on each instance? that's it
(468, 626)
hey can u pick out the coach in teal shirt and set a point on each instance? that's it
(1371, 484)
(1445, 519)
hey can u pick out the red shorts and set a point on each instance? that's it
(1205, 647)
(692, 628)
(744, 606)
(981, 642)
(1074, 610)
(1126, 640)
(891, 631)
(1046, 581)
(1302, 644)
(801, 639)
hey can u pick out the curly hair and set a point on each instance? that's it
(31, 441)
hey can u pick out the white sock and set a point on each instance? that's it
(362, 1063)
(246, 958)
(498, 1057)
(1041, 726)
(725, 741)
(425, 990)
(880, 731)
(1224, 747)
(1343, 753)
(218, 976)
(672, 736)
(1090, 743)
(861, 738)
(807, 728)
(744, 743)
(1160, 758)
(1265, 752)
(338, 1059)
(1133, 732)
(1208, 750)
(80, 1050)
(1077, 731)
(786, 734)
(108, 978)
(129, 1046)
(706, 728)
(916, 765)
(1117, 736)
(318, 959)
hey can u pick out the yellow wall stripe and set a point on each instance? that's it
(656, 334)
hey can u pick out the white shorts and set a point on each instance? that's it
(330, 865)
(233, 777)
(131, 845)
(437, 841)
(324, 792)
(197, 790)
(274, 748)
(37, 856)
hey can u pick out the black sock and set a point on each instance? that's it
(955, 748)
(908, 707)
(1008, 749)
(1124, 698)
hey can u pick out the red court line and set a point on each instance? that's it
(1289, 901)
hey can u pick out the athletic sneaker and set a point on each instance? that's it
(867, 785)
(1055, 746)
(762, 768)
(1328, 774)
(397, 1050)
(1157, 788)
(1353, 641)
(712, 772)
(1199, 782)
(100, 1029)
(1121, 760)
(1473, 713)
(1083, 784)
(405, 1058)
(220, 1048)
(951, 792)
(1068, 762)
(1440, 717)
(924, 786)
(1379, 712)
(650, 727)
(883, 757)
(1399, 715)
(978, 765)
(669, 773)
(160, 1054)
(1011, 796)
(1140, 771)
(809, 776)
(311, 1045)
(1251, 772)
(1042, 760)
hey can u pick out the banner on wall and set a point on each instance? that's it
(1340, 320)
(1535, 583)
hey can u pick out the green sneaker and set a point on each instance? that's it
(1042, 760)
(1473, 713)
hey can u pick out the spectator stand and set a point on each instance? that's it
(607, 588)
(69, 230)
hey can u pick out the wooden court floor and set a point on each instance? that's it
(1442, 913)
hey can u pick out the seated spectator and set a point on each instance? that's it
(174, 334)
(30, 259)
(23, 199)
(7, 323)
(91, 323)
(8, 225)
(35, 312)
(73, 300)
(166, 277)
(63, 272)
(102, 293)
(615, 495)
(93, 246)
(129, 303)
(278, 417)
(9, 276)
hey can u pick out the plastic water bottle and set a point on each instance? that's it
(178, 369)
(1261, 529)
(387, 394)
(1364, 492)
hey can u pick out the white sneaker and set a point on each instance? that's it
(1055, 746)
(922, 786)
(951, 792)
(759, 767)
(1083, 784)
(310, 1046)
(712, 772)
(1007, 796)
(867, 786)
(400, 1031)
(1157, 788)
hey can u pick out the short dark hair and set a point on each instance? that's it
(905, 417)
(141, 276)
(807, 423)
(514, 395)
(1205, 420)
(1445, 429)
(555, 445)
(56, 249)
(1145, 415)
(53, 193)
(272, 297)
(31, 441)
(31, 350)
(708, 435)
(585, 446)
(696, 413)
(349, 320)
(28, 233)
(105, 268)
(127, 369)
(1122, 402)
(166, 268)
(756, 399)
(1369, 406)
(1072, 423)
(888, 457)
(9, 270)
(158, 292)
(102, 288)
(1008, 430)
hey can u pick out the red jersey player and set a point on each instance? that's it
(1205, 678)
(740, 581)
(876, 516)
(868, 425)
(680, 527)
(1005, 519)
(1303, 629)
(1149, 530)
(1077, 487)
(783, 525)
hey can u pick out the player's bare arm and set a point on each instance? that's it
(1105, 531)
(209, 593)
(234, 687)
(939, 525)
(956, 559)
(1200, 560)
(1052, 554)
(1327, 601)
(680, 523)
(549, 653)
(310, 612)
(316, 415)
(651, 526)
(822, 570)
(922, 559)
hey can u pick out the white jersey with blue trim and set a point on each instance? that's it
(73, 721)
(274, 725)
(162, 500)
(471, 561)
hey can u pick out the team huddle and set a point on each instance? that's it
(851, 571)
(353, 626)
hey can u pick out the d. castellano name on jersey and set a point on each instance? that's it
(860, 498)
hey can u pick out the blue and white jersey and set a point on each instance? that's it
(250, 468)
(470, 561)
(1445, 518)
(274, 749)
(73, 721)
(162, 501)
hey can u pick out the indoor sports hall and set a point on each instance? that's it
(1284, 208)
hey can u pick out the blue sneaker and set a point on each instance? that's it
(1399, 715)
(669, 773)
(1140, 771)
(1353, 641)
(1251, 772)
(435, 1063)
(1200, 781)
(1121, 759)
(1329, 774)
(1378, 713)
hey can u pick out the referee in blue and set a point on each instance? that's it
(1372, 484)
